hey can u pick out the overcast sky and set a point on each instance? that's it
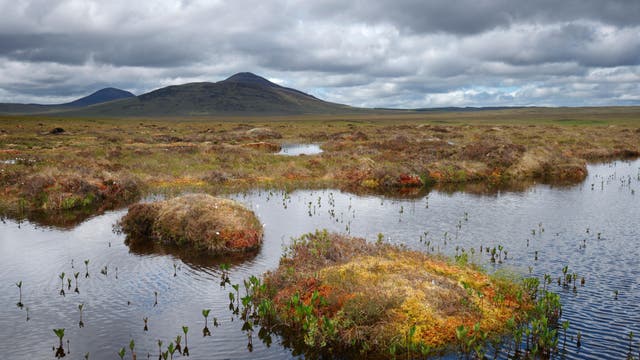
(383, 53)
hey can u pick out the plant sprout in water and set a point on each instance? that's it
(60, 350)
(178, 346)
(61, 276)
(170, 349)
(159, 349)
(80, 308)
(205, 331)
(132, 346)
(146, 327)
(86, 267)
(185, 352)
(122, 352)
(75, 275)
(19, 285)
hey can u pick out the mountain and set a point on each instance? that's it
(241, 94)
(98, 97)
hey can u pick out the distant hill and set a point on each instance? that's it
(243, 93)
(98, 97)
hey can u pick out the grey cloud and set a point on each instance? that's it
(411, 53)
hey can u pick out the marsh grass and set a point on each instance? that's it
(99, 164)
(336, 293)
(198, 221)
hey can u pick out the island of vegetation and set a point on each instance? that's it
(336, 294)
(199, 222)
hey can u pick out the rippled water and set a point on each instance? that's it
(606, 203)
(300, 149)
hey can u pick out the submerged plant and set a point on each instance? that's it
(19, 285)
(86, 267)
(159, 349)
(75, 275)
(61, 276)
(80, 308)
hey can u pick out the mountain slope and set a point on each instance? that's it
(100, 96)
(242, 93)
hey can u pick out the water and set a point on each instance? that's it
(606, 203)
(300, 149)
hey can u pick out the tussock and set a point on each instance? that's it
(368, 297)
(200, 221)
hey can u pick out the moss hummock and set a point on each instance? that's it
(343, 294)
(201, 221)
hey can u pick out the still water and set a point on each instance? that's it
(300, 149)
(591, 227)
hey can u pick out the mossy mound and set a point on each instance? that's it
(201, 221)
(345, 295)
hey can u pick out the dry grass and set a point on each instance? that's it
(373, 295)
(374, 152)
(197, 221)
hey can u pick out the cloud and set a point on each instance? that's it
(412, 53)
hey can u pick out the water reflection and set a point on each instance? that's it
(300, 149)
(590, 227)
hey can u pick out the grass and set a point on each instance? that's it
(102, 163)
(340, 294)
(195, 221)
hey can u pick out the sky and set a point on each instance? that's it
(383, 53)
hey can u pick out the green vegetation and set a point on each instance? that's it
(335, 294)
(198, 221)
(97, 164)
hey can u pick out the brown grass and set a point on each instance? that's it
(198, 221)
(373, 152)
(373, 294)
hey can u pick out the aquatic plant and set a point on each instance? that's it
(122, 353)
(61, 276)
(80, 308)
(146, 327)
(159, 349)
(224, 274)
(205, 331)
(132, 346)
(19, 285)
(178, 341)
(185, 351)
(86, 266)
(170, 349)
(75, 275)
(60, 350)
